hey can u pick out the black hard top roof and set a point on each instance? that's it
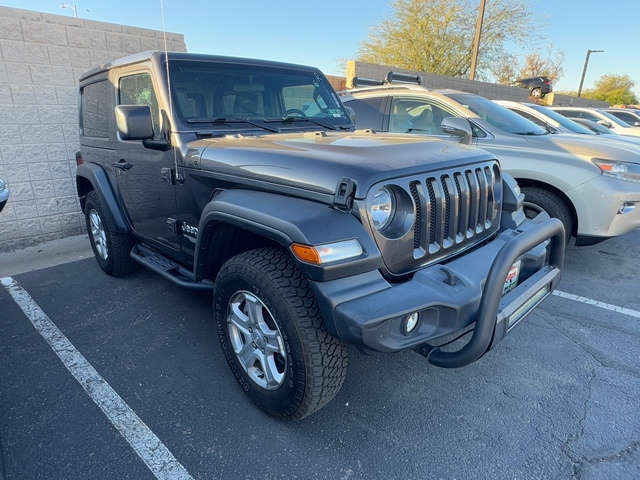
(159, 55)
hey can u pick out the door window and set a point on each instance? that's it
(138, 90)
(416, 115)
(368, 113)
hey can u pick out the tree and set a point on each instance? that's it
(436, 36)
(615, 89)
(510, 68)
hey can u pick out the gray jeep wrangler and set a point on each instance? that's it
(245, 177)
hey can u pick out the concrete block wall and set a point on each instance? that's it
(489, 90)
(41, 59)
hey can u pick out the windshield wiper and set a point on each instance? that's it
(305, 119)
(229, 121)
(532, 133)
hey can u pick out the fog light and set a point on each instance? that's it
(627, 207)
(411, 323)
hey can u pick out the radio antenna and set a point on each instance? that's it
(166, 63)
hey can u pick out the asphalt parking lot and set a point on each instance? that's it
(144, 390)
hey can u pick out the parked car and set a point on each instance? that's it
(245, 178)
(590, 186)
(4, 194)
(627, 115)
(596, 127)
(538, 86)
(599, 116)
(557, 123)
(544, 117)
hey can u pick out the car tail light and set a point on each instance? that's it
(79, 160)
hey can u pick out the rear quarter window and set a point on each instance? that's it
(94, 110)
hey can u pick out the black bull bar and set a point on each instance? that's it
(492, 322)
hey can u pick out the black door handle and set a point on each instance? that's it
(122, 164)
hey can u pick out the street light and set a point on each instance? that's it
(584, 70)
(75, 10)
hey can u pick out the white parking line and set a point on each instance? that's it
(595, 303)
(148, 447)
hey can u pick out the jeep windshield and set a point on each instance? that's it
(497, 115)
(254, 95)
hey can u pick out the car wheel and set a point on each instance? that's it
(537, 200)
(537, 92)
(111, 248)
(273, 336)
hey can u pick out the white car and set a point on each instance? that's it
(591, 186)
(558, 123)
(599, 116)
(630, 116)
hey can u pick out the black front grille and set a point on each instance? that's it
(440, 214)
(453, 208)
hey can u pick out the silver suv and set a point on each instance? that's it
(593, 188)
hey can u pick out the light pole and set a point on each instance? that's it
(584, 70)
(75, 10)
(476, 41)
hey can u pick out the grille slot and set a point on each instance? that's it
(419, 226)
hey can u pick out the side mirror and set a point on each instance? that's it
(637, 124)
(458, 127)
(134, 122)
(605, 123)
(352, 114)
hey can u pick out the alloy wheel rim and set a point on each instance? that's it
(98, 234)
(256, 340)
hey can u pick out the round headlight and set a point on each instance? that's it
(382, 208)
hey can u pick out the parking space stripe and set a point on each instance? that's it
(148, 447)
(595, 303)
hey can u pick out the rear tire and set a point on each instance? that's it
(538, 200)
(111, 248)
(273, 336)
(537, 92)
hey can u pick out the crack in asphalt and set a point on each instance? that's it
(577, 462)
(618, 366)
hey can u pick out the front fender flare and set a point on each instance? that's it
(288, 220)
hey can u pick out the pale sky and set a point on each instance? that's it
(323, 33)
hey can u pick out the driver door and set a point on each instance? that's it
(149, 198)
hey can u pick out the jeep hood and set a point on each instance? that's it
(319, 160)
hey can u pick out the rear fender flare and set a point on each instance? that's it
(99, 181)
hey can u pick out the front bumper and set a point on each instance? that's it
(598, 207)
(368, 312)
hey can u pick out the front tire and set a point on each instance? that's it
(273, 336)
(111, 248)
(538, 200)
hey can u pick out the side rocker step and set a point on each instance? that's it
(169, 269)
